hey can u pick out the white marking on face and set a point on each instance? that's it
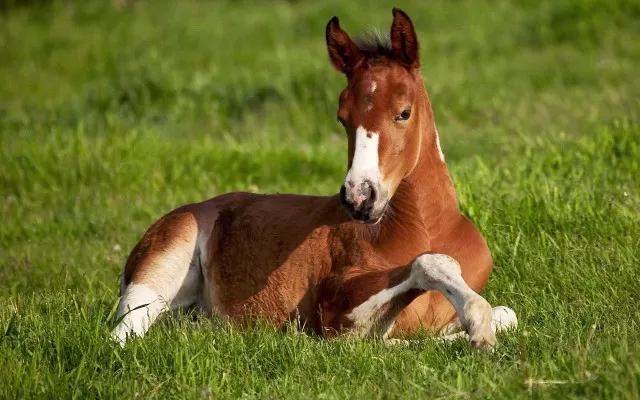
(369, 106)
(439, 148)
(364, 165)
(140, 306)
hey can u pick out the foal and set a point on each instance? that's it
(390, 254)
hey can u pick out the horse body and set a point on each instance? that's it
(415, 263)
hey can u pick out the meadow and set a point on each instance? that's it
(111, 117)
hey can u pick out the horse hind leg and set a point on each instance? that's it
(162, 273)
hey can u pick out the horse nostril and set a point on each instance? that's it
(359, 202)
(374, 194)
(365, 189)
(370, 192)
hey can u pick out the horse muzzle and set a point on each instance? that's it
(362, 201)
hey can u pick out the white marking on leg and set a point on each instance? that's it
(503, 319)
(397, 342)
(140, 306)
(389, 329)
(365, 315)
(374, 86)
(441, 272)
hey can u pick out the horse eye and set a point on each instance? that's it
(404, 115)
(342, 122)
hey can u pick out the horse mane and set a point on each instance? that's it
(374, 44)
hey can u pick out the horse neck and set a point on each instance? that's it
(425, 202)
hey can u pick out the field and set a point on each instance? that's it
(111, 117)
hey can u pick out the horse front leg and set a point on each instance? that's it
(376, 314)
(475, 314)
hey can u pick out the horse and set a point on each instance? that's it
(389, 255)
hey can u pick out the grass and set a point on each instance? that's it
(110, 118)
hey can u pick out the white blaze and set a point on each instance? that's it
(364, 165)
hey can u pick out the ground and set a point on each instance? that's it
(111, 117)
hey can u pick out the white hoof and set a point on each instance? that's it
(503, 319)
(478, 323)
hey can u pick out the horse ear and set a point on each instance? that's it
(344, 54)
(404, 41)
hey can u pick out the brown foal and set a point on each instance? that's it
(390, 254)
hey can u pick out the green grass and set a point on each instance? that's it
(110, 118)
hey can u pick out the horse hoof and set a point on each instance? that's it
(478, 316)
